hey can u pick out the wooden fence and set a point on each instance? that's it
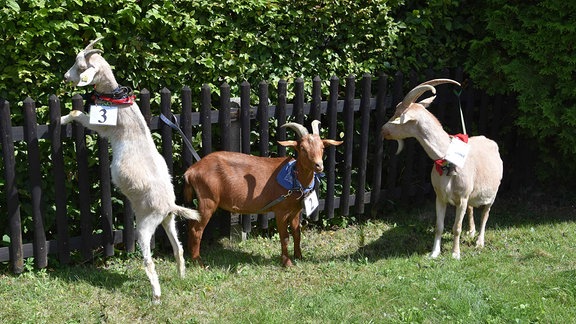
(361, 175)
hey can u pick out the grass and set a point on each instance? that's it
(375, 271)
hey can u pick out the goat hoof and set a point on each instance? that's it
(286, 262)
(199, 263)
(156, 300)
(433, 255)
(456, 255)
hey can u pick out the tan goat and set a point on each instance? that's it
(474, 184)
(247, 184)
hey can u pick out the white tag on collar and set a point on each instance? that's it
(310, 203)
(457, 152)
(103, 115)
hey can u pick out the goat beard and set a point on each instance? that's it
(400, 146)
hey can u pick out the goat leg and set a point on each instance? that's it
(284, 238)
(457, 228)
(485, 215)
(440, 213)
(295, 227)
(471, 225)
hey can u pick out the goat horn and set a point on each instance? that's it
(415, 93)
(299, 129)
(92, 51)
(315, 127)
(436, 82)
(89, 46)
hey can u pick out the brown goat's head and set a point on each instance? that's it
(402, 124)
(309, 147)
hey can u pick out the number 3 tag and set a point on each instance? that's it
(103, 115)
(310, 203)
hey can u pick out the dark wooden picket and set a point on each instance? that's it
(364, 162)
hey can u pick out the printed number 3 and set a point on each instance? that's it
(103, 115)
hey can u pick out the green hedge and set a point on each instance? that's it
(155, 44)
(528, 48)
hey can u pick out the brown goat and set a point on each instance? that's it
(246, 184)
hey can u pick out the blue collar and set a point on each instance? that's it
(287, 178)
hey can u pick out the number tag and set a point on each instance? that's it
(457, 152)
(310, 203)
(103, 115)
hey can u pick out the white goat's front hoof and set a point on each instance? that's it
(434, 254)
(480, 244)
(156, 300)
(456, 255)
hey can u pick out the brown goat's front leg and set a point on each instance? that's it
(295, 227)
(283, 231)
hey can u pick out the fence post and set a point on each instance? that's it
(186, 124)
(12, 198)
(31, 138)
(105, 197)
(280, 115)
(332, 111)
(225, 122)
(316, 102)
(165, 130)
(55, 130)
(298, 111)
(83, 182)
(381, 85)
(316, 114)
(245, 117)
(145, 106)
(393, 159)
(206, 119)
(263, 130)
(224, 117)
(364, 137)
(348, 144)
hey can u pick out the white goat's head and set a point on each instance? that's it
(310, 147)
(409, 112)
(89, 67)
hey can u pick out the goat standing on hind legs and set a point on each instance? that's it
(472, 184)
(137, 169)
(247, 184)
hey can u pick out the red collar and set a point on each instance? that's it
(443, 165)
(120, 96)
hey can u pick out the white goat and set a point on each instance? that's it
(474, 184)
(137, 168)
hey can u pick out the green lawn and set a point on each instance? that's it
(375, 271)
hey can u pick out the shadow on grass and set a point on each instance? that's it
(216, 255)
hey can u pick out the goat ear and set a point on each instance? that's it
(329, 142)
(288, 143)
(426, 102)
(87, 77)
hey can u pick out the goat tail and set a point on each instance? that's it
(186, 213)
(188, 190)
